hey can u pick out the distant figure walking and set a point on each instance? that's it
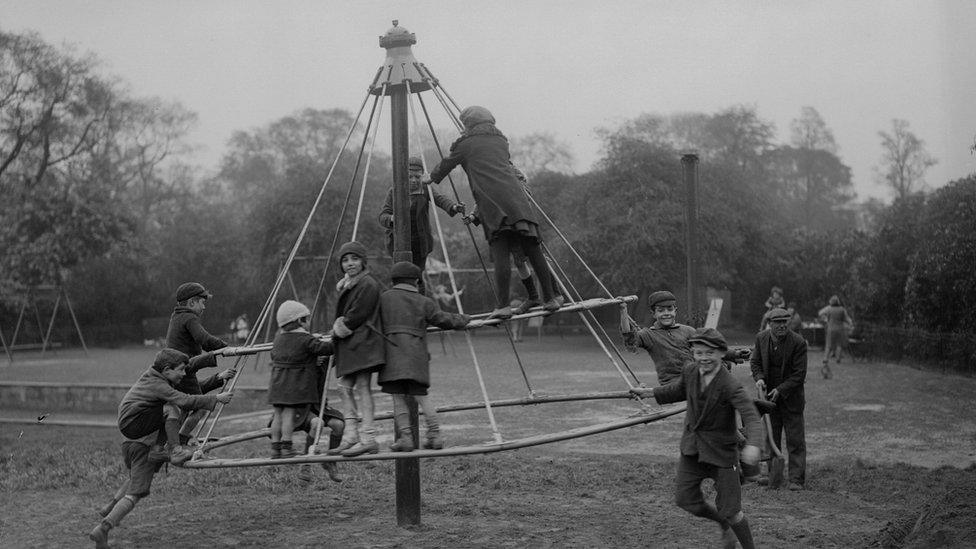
(774, 301)
(240, 328)
(839, 324)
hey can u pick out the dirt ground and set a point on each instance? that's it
(891, 464)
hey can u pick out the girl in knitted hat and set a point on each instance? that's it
(358, 342)
(508, 219)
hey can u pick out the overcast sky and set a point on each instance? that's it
(564, 67)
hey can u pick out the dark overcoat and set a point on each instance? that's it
(406, 314)
(359, 305)
(789, 376)
(497, 191)
(710, 430)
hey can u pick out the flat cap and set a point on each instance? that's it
(778, 313)
(405, 269)
(660, 298)
(191, 289)
(709, 337)
(415, 163)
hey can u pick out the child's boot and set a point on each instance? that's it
(180, 455)
(275, 450)
(305, 473)
(99, 534)
(286, 450)
(366, 445)
(159, 453)
(404, 441)
(434, 440)
(533, 297)
(332, 469)
(350, 437)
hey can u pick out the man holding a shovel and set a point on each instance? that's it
(779, 366)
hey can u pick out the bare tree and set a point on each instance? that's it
(904, 160)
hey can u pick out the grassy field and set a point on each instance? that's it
(891, 453)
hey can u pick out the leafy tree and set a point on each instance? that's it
(939, 285)
(904, 160)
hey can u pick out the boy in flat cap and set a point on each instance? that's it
(187, 335)
(406, 314)
(666, 340)
(421, 239)
(709, 445)
(779, 365)
(149, 406)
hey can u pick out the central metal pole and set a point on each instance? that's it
(689, 163)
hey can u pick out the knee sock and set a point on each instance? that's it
(744, 533)
(121, 509)
(334, 440)
(501, 255)
(119, 494)
(173, 431)
(534, 252)
(530, 288)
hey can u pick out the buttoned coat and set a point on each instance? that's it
(789, 376)
(406, 314)
(710, 429)
(359, 306)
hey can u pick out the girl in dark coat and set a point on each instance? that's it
(358, 345)
(503, 209)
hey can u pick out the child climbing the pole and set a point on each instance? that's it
(421, 239)
(294, 386)
(151, 405)
(406, 314)
(187, 335)
(709, 441)
(359, 350)
(505, 213)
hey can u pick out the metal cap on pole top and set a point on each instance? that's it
(400, 64)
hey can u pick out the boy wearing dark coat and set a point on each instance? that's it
(508, 219)
(359, 350)
(187, 335)
(142, 414)
(406, 314)
(421, 238)
(709, 443)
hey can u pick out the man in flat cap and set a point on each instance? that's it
(421, 239)
(779, 366)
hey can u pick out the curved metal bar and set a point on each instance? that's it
(536, 440)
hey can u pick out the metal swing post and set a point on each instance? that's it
(401, 70)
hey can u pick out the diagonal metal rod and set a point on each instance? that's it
(369, 158)
(571, 248)
(589, 319)
(345, 206)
